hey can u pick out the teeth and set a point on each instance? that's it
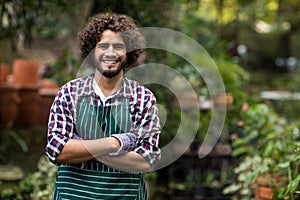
(110, 61)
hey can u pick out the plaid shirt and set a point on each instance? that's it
(143, 113)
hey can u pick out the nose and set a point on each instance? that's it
(110, 52)
(111, 49)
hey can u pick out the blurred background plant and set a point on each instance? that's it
(37, 185)
(266, 145)
(64, 69)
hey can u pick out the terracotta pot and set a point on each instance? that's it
(225, 99)
(26, 72)
(265, 184)
(4, 71)
(263, 193)
(271, 180)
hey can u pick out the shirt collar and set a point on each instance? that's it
(126, 90)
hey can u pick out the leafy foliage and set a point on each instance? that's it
(267, 145)
(39, 185)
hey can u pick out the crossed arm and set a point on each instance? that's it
(76, 151)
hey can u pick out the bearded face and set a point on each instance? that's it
(110, 54)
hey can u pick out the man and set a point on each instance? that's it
(103, 128)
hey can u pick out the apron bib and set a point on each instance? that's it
(95, 180)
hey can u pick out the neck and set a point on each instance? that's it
(108, 85)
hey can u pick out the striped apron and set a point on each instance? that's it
(94, 180)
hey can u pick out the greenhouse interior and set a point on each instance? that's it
(224, 74)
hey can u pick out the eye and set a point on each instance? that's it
(119, 46)
(103, 46)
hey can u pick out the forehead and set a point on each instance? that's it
(111, 37)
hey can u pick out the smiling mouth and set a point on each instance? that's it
(110, 61)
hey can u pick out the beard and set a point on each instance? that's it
(109, 73)
(106, 71)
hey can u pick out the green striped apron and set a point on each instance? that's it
(94, 180)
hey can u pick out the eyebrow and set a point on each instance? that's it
(114, 44)
(119, 43)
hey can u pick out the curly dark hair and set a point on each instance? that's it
(98, 23)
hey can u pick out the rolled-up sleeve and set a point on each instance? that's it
(60, 126)
(147, 127)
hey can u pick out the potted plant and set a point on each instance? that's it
(268, 151)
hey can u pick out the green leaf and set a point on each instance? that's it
(283, 165)
(245, 140)
(252, 134)
(253, 175)
(297, 178)
(239, 151)
(269, 149)
(240, 142)
(295, 157)
(292, 186)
